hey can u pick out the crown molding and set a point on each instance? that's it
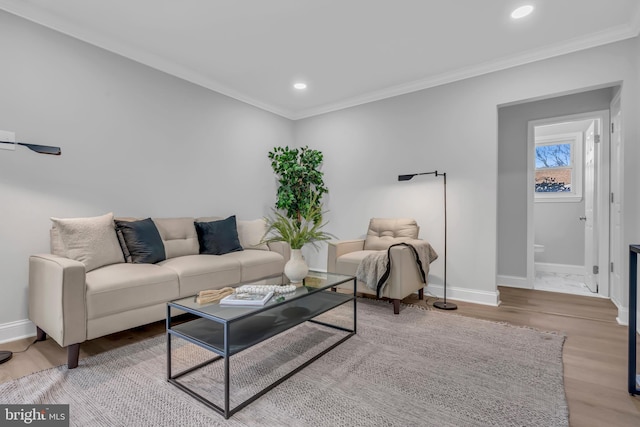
(612, 35)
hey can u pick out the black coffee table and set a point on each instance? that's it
(228, 330)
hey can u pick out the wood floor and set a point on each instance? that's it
(595, 350)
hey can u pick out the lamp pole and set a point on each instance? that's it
(443, 305)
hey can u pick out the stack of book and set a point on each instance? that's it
(245, 298)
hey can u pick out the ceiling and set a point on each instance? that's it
(348, 51)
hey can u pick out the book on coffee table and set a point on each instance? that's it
(245, 298)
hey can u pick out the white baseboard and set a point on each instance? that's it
(513, 282)
(17, 330)
(560, 268)
(465, 294)
(623, 316)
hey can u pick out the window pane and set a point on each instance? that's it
(553, 156)
(553, 180)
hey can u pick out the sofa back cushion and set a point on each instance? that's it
(384, 232)
(251, 233)
(178, 235)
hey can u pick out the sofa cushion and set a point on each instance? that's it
(251, 233)
(123, 246)
(218, 237)
(178, 235)
(92, 241)
(198, 272)
(209, 218)
(348, 263)
(55, 242)
(121, 287)
(258, 264)
(384, 232)
(143, 241)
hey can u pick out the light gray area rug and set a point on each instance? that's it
(419, 368)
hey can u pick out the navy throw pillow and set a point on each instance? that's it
(218, 237)
(143, 241)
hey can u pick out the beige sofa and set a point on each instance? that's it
(345, 256)
(72, 304)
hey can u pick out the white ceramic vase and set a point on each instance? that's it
(296, 268)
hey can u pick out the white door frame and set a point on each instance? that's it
(592, 153)
(618, 288)
(602, 190)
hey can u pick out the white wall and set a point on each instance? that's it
(453, 128)
(512, 175)
(134, 141)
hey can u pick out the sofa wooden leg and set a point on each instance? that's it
(73, 354)
(421, 293)
(40, 334)
(396, 306)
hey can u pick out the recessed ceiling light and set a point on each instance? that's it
(522, 11)
(300, 86)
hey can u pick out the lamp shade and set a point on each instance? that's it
(42, 149)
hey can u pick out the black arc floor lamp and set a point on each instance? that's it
(443, 305)
(42, 149)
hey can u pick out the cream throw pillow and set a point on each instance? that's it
(92, 241)
(251, 233)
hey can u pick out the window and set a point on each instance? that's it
(558, 167)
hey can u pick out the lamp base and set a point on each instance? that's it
(5, 356)
(443, 305)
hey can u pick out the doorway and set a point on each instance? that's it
(568, 226)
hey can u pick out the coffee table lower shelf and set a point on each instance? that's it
(213, 335)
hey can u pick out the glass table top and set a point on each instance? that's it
(314, 282)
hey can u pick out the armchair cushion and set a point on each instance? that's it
(348, 263)
(384, 232)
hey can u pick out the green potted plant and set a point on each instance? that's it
(300, 180)
(300, 189)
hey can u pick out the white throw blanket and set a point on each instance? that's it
(375, 268)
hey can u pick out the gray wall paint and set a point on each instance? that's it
(135, 141)
(512, 172)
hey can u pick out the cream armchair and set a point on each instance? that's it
(405, 278)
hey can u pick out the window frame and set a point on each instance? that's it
(575, 139)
